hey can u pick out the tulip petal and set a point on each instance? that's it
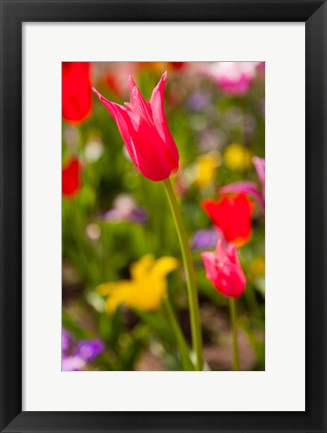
(108, 288)
(231, 281)
(245, 187)
(232, 254)
(142, 267)
(121, 293)
(157, 100)
(209, 261)
(260, 166)
(155, 159)
(125, 121)
(159, 118)
(221, 253)
(164, 266)
(137, 103)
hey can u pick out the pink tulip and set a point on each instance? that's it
(233, 78)
(260, 166)
(144, 129)
(223, 269)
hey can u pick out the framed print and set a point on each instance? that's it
(163, 216)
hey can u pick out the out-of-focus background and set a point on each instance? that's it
(112, 216)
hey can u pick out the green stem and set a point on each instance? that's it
(190, 275)
(182, 345)
(232, 309)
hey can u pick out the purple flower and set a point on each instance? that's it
(72, 363)
(66, 340)
(89, 349)
(198, 100)
(74, 357)
(205, 238)
(139, 215)
(125, 209)
(250, 188)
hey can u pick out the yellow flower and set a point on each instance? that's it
(205, 168)
(237, 157)
(257, 267)
(147, 287)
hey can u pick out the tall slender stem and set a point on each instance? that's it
(182, 345)
(190, 275)
(232, 309)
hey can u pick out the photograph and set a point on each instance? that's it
(163, 183)
(163, 216)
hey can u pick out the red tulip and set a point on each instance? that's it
(145, 131)
(232, 216)
(223, 269)
(71, 177)
(76, 91)
(177, 65)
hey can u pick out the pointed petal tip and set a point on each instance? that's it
(131, 82)
(207, 256)
(97, 93)
(162, 81)
(257, 159)
(203, 254)
(231, 249)
(219, 244)
(220, 251)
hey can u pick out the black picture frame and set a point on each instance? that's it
(13, 14)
